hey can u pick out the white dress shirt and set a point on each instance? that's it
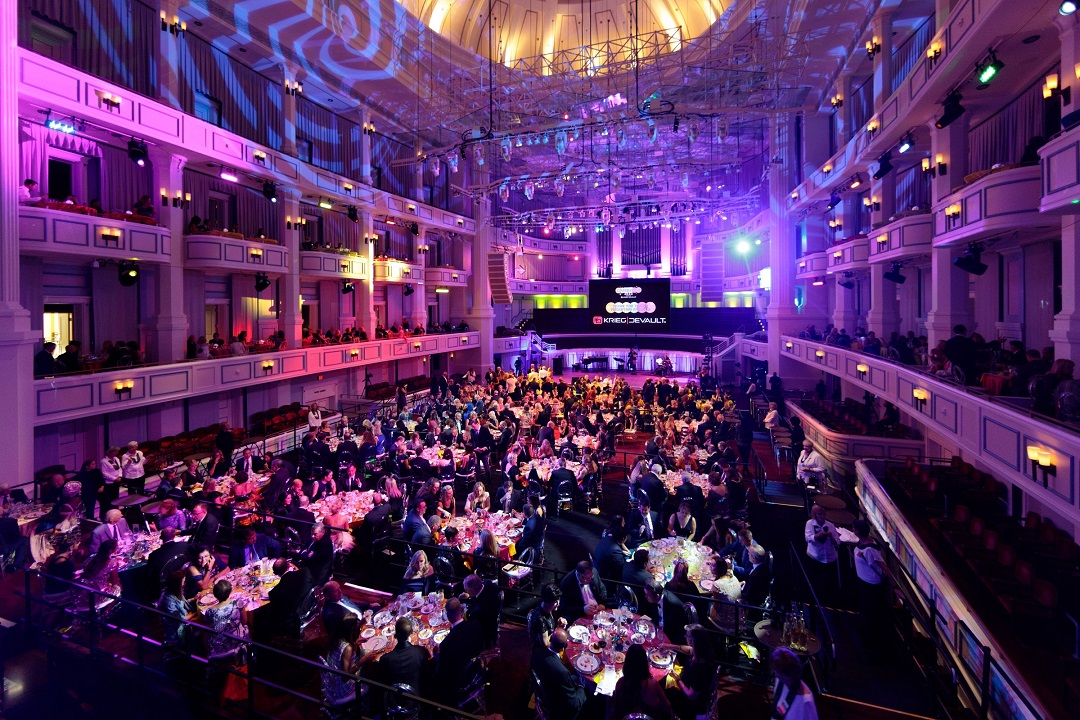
(824, 551)
(811, 465)
(110, 469)
(133, 465)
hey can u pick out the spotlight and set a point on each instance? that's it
(353, 214)
(1067, 8)
(855, 181)
(326, 204)
(128, 273)
(228, 175)
(971, 260)
(905, 144)
(847, 283)
(894, 274)
(414, 228)
(951, 110)
(409, 290)
(990, 70)
(742, 247)
(262, 281)
(885, 165)
(346, 287)
(834, 200)
(270, 191)
(59, 124)
(138, 152)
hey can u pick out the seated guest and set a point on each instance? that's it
(403, 664)
(344, 655)
(318, 558)
(175, 608)
(336, 607)
(170, 556)
(637, 691)
(582, 593)
(461, 646)
(227, 620)
(248, 463)
(636, 576)
(690, 493)
(479, 499)
(666, 610)
(611, 554)
(203, 573)
(563, 695)
(483, 600)
(643, 523)
(532, 531)
(755, 589)
(682, 523)
(287, 599)
(509, 497)
(252, 548)
(218, 466)
(115, 527)
(419, 575)
(690, 696)
(192, 474)
(680, 579)
(415, 529)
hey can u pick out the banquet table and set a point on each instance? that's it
(251, 585)
(505, 528)
(133, 551)
(664, 552)
(356, 504)
(618, 629)
(996, 383)
(672, 479)
(436, 456)
(27, 515)
(430, 626)
(772, 636)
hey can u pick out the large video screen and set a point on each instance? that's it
(630, 305)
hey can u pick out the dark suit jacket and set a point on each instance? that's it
(691, 493)
(403, 664)
(463, 643)
(415, 529)
(637, 521)
(609, 559)
(301, 520)
(204, 534)
(572, 605)
(531, 534)
(318, 558)
(637, 578)
(674, 624)
(257, 464)
(756, 587)
(562, 691)
(486, 609)
(266, 548)
(561, 475)
(545, 433)
(515, 500)
(160, 558)
(654, 488)
(285, 599)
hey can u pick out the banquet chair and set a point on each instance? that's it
(626, 597)
(399, 707)
(472, 694)
(565, 497)
(540, 696)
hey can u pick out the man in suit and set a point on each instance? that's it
(300, 519)
(738, 551)
(283, 611)
(665, 609)
(403, 664)
(350, 479)
(546, 432)
(483, 600)
(961, 351)
(318, 558)
(461, 645)
(416, 530)
(691, 493)
(204, 527)
(563, 696)
(248, 463)
(758, 581)
(532, 532)
(115, 527)
(636, 576)
(582, 592)
(280, 476)
(509, 497)
(171, 549)
(252, 547)
(336, 607)
(611, 554)
(225, 442)
(653, 486)
(558, 477)
(644, 523)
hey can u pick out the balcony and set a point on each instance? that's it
(545, 287)
(904, 237)
(849, 255)
(742, 283)
(229, 252)
(510, 344)
(813, 265)
(685, 287)
(333, 266)
(68, 397)
(996, 432)
(45, 231)
(403, 207)
(1061, 173)
(445, 277)
(396, 271)
(993, 203)
(555, 247)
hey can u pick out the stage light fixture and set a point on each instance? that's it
(847, 282)
(228, 175)
(346, 287)
(128, 272)
(138, 152)
(854, 182)
(951, 110)
(905, 144)
(326, 204)
(353, 214)
(262, 281)
(409, 290)
(971, 261)
(885, 165)
(834, 200)
(894, 274)
(270, 191)
(990, 70)
(1067, 8)
(742, 247)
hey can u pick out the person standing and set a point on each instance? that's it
(225, 442)
(133, 465)
(871, 573)
(822, 542)
(111, 473)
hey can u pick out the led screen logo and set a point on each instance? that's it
(633, 308)
(597, 320)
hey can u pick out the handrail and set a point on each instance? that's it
(906, 55)
(831, 644)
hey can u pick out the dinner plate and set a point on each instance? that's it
(207, 600)
(387, 631)
(586, 663)
(382, 618)
(706, 584)
(440, 636)
(595, 648)
(427, 609)
(579, 633)
(375, 644)
(515, 533)
(638, 638)
(504, 542)
(661, 658)
(605, 618)
(424, 634)
(414, 602)
(369, 633)
(619, 658)
(643, 626)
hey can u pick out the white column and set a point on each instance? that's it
(949, 296)
(292, 321)
(616, 253)
(881, 26)
(17, 341)
(884, 314)
(481, 316)
(169, 330)
(417, 312)
(845, 313)
(843, 114)
(365, 289)
(288, 111)
(952, 144)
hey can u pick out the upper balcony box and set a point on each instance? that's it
(555, 247)
(396, 271)
(989, 203)
(903, 237)
(333, 266)
(813, 265)
(1061, 173)
(445, 277)
(848, 255)
(231, 252)
(742, 283)
(533, 287)
(65, 230)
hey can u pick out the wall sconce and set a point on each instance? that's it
(826, 169)
(109, 100)
(789, 345)
(933, 52)
(872, 203)
(1052, 90)
(176, 27)
(882, 240)
(181, 200)
(919, 398)
(820, 355)
(837, 257)
(294, 88)
(1042, 459)
(464, 341)
(296, 224)
(454, 276)
(259, 156)
(122, 388)
(416, 346)
(369, 129)
(952, 213)
(268, 367)
(411, 208)
(371, 239)
(795, 195)
(348, 188)
(344, 267)
(927, 167)
(802, 266)
(873, 47)
(460, 222)
(110, 236)
(837, 101)
(872, 127)
(354, 353)
(423, 249)
(255, 254)
(862, 369)
(942, 168)
(451, 356)
(835, 224)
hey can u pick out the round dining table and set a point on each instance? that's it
(428, 615)
(251, 585)
(772, 636)
(663, 554)
(598, 645)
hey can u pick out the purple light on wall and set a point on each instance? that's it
(228, 175)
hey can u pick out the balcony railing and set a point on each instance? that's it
(230, 252)
(60, 231)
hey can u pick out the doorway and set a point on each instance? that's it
(59, 325)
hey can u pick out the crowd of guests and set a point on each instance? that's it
(73, 359)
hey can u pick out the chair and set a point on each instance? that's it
(473, 690)
(399, 707)
(626, 597)
(565, 497)
(691, 614)
(541, 698)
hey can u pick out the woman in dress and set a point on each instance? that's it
(170, 516)
(682, 523)
(727, 590)
(447, 505)
(419, 575)
(227, 620)
(680, 582)
(218, 467)
(689, 698)
(637, 691)
(344, 656)
(479, 499)
(486, 559)
(173, 603)
(100, 571)
(203, 573)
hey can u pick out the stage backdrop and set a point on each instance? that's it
(634, 306)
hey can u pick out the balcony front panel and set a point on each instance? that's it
(59, 232)
(909, 236)
(333, 266)
(232, 254)
(68, 397)
(995, 432)
(997, 202)
(813, 265)
(445, 277)
(1061, 173)
(510, 344)
(742, 283)
(397, 271)
(534, 287)
(555, 247)
(685, 287)
(849, 255)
